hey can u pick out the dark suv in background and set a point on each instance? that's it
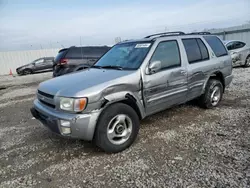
(77, 58)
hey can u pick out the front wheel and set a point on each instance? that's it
(27, 71)
(213, 94)
(117, 128)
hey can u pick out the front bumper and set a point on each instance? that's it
(82, 126)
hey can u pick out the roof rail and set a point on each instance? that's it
(166, 33)
(200, 33)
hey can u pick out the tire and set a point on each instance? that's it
(214, 88)
(112, 119)
(27, 71)
(247, 63)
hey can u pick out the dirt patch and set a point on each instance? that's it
(185, 146)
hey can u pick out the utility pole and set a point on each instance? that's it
(80, 41)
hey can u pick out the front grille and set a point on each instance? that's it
(46, 94)
(46, 99)
(47, 104)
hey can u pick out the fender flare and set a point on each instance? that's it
(214, 74)
(123, 97)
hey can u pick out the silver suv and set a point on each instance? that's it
(133, 80)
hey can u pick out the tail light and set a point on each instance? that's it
(63, 61)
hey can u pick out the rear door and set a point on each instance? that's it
(168, 86)
(198, 65)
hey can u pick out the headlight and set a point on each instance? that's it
(73, 105)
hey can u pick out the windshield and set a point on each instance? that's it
(125, 56)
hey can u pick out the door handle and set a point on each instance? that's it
(184, 73)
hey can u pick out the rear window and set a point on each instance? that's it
(216, 45)
(60, 55)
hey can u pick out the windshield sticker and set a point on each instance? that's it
(143, 45)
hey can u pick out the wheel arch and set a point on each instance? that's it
(218, 76)
(125, 98)
(29, 69)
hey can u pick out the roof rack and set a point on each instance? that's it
(199, 33)
(166, 33)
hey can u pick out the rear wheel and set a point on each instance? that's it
(213, 94)
(247, 63)
(117, 128)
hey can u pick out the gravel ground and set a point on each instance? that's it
(185, 146)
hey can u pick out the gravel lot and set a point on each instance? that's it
(185, 146)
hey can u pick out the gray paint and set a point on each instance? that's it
(153, 92)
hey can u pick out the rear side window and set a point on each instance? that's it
(235, 45)
(216, 45)
(85, 52)
(239, 45)
(95, 51)
(75, 53)
(196, 50)
(168, 53)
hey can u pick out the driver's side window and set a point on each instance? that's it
(39, 61)
(168, 54)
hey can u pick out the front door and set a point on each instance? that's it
(39, 64)
(168, 86)
(48, 64)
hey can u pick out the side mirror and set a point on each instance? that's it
(154, 67)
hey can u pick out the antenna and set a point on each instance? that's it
(60, 44)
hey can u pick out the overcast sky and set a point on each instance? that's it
(35, 24)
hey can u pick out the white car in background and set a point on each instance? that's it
(240, 52)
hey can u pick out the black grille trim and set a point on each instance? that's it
(46, 94)
(47, 104)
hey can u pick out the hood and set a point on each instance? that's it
(27, 65)
(73, 85)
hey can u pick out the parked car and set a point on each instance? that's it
(132, 81)
(38, 65)
(77, 58)
(240, 52)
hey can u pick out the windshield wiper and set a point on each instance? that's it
(111, 67)
(94, 66)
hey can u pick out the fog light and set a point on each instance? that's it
(65, 127)
(65, 130)
(65, 123)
